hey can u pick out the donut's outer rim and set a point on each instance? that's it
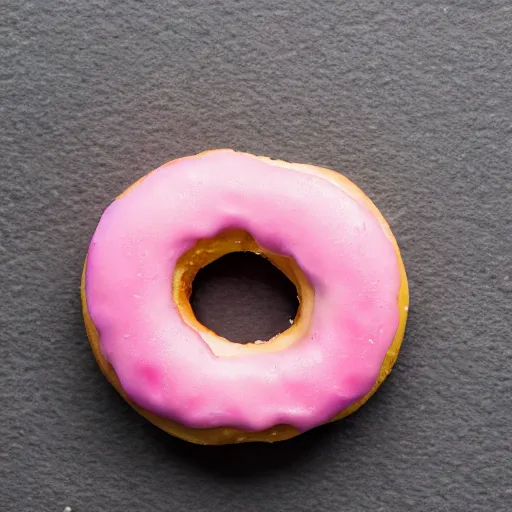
(228, 435)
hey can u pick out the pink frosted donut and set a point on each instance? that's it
(315, 225)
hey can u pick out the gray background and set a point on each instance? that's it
(412, 100)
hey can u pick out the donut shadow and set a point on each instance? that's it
(249, 460)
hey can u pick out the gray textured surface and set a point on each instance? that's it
(412, 100)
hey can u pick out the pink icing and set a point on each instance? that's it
(166, 367)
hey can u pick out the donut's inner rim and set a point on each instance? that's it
(207, 250)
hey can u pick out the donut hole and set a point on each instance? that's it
(243, 297)
(230, 290)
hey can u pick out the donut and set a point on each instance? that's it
(313, 224)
